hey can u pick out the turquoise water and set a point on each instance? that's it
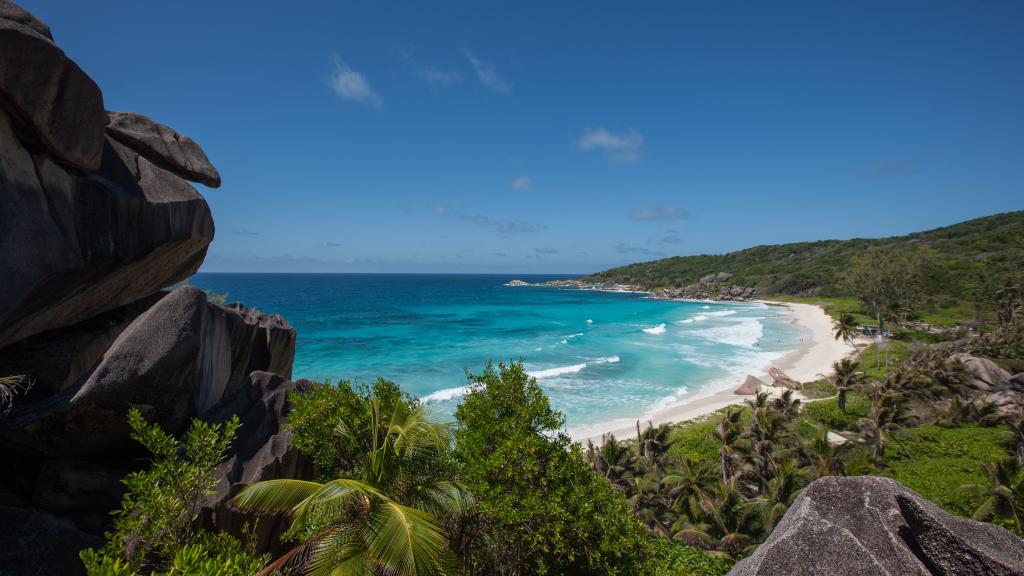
(601, 357)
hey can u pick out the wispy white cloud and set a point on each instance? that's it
(348, 84)
(659, 213)
(487, 75)
(620, 148)
(523, 182)
(438, 77)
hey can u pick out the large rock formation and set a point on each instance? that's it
(96, 220)
(867, 526)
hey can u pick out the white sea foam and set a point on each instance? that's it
(589, 321)
(700, 318)
(446, 394)
(722, 313)
(558, 371)
(608, 360)
(705, 307)
(659, 329)
(744, 332)
(687, 321)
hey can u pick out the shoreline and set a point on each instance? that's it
(812, 358)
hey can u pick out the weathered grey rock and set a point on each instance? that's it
(867, 526)
(162, 146)
(751, 386)
(723, 277)
(262, 451)
(987, 375)
(53, 101)
(736, 291)
(37, 543)
(57, 359)
(11, 11)
(76, 246)
(78, 485)
(779, 378)
(707, 279)
(179, 358)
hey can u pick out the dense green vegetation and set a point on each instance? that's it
(156, 529)
(906, 411)
(967, 262)
(504, 491)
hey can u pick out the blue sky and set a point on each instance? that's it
(567, 137)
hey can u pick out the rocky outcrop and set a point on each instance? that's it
(13, 12)
(176, 360)
(866, 526)
(96, 221)
(77, 245)
(54, 103)
(751, 386)
(986, 374)
(163, 146)
(779, 378)
(263, 450)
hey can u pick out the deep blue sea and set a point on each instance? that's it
(602, 357)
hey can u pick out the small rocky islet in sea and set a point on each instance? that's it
(98, 218)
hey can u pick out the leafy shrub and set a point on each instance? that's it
(542, 510)
(156, 526)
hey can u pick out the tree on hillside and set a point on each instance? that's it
(890, 282)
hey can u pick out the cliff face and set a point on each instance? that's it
(97, 218)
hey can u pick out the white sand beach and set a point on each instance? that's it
(810, 361)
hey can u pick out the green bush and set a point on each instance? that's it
(937, 462)
(827, 412)
(543, 511)
(674, 559)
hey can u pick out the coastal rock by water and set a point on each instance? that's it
(779, 378)
(75, 246)
(96, 221)
(867, 526)
(162, 146)
(751, 386)
(176, 360)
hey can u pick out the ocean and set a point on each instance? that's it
(604, 358)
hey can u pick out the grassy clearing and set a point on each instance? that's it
(944, 460)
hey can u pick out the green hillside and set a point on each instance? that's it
(967, 261)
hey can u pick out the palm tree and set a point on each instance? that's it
(846, 328)
(846, 376)
(887, 412)
(787, 405)
(722, 521)
(1003, 495)
(380, 522)
(614, 460)
(727, 433)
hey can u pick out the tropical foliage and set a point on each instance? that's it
(156, 527)
(382, 515)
